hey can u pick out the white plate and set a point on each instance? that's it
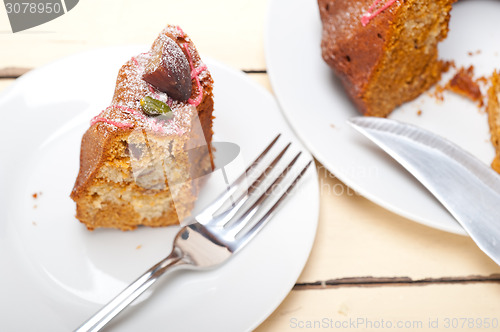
(54, 273)
(317, 108)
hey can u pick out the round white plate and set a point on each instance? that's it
(315, 104)
(54, 273)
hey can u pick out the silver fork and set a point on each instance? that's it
(212, 236)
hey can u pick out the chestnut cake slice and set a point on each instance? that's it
(384, 53)
(140, 156)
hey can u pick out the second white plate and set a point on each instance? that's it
(317, 107)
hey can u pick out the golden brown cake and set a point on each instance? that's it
(384, 52)
(494, 117)
(140, 155)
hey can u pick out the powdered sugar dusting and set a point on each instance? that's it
(199, 97)
(134, 60)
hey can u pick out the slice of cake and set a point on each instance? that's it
(493, 108)
(384, 52)
(140, 156)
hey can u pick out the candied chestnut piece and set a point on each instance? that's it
(168, 69)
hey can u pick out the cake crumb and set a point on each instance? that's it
(138, 247)
(35, 206)
(464, 84)
(332, 125)
(471, 53)
(437, 93)
(33, 223)
(36, 195)
(419, 112)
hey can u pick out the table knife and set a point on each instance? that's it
(465, 186)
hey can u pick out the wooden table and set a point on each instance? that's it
(369, 269)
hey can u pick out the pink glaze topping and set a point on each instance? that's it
(153, 92)
(181, 32)
(372, 13)
(195, 72)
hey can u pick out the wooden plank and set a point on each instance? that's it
(261, 79)
(399, 308)
(229, 31)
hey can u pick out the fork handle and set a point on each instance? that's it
(129, 294)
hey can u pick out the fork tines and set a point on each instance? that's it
(246, 208)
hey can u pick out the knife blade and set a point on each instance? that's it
(465, 186)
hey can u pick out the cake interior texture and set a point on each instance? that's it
(493, 108)
(390, 60)
(137, 169)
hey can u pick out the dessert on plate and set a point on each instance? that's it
(141, 155)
